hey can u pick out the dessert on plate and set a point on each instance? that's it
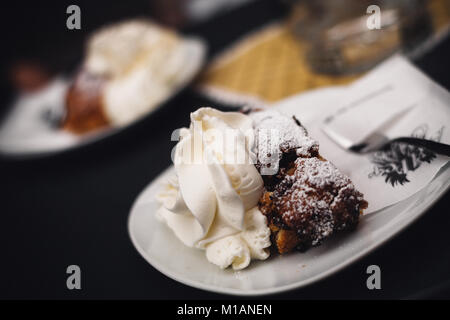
(129, 68)
(306, 198)
(246, 182)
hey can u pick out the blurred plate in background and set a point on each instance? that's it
(30, 129)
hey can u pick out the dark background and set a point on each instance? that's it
(72, 208)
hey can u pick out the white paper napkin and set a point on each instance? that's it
(384, 177)
(378, 100)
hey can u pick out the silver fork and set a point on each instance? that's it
(378, 141)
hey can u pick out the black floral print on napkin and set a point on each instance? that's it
(397, 159)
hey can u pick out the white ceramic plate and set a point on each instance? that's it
(159, 246)
(25, 132)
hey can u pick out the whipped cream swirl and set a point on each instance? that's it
(211, 203)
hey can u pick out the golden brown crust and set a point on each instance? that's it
(285, 240)
(84, 104)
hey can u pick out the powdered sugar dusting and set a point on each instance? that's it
(319, 174)
(309, 199)
(277, 134)
(304, 193)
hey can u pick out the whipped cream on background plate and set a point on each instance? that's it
(141, 62)
(211, 203)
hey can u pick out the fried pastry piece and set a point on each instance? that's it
(84, 104)
(310, 204)
(279, 140)
(307, 199)
(129, 68)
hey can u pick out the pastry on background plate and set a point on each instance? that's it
(129, 68)
(243, 180)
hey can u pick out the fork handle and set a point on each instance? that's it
(437, 147)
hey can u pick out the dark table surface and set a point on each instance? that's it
(73, 208)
